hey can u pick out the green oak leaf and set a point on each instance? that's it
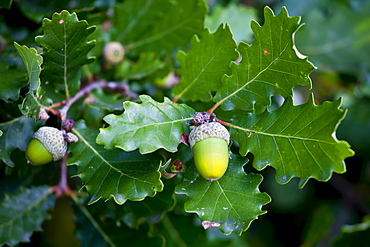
(12, 80)
(354, 235)
(271, 65)
(34, 99)
(113, 173)
(23, 213)
(205, 63)
(151, 209)
(65, 49)
(158, 25)
(148, 126)
(16, 135)
(298, 141)
(230, 203)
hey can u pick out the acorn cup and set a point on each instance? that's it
(210, 145)
(48, 144)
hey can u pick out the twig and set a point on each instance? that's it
(115, 86)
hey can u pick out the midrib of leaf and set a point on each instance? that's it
(280, 136)
(158, 124)
(28, 208)
(65, 62)
(102, 158)
(196, 78)
(252, 80)
(224, 194)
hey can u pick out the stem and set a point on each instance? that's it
(214, 107)
(122, 87)
(172, 231)
(94, 222)
(62, 188)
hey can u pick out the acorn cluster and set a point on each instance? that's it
(210, 144)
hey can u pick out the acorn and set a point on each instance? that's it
(48, 144)
(210, 145)
(114, 52)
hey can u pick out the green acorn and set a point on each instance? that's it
(210, 145)
(48, 144)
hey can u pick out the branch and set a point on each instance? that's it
(123, 88)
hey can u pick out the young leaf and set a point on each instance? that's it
(204, 65)
(160, 25)
(270, 66)
(148, 126)
(298, 141)
(65, 49)
(17, 134)
(31, 104)
(23, 213)
(113, 173)
(230, 203)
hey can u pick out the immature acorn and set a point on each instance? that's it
(210, 145)
(114, 52)
(48, 144)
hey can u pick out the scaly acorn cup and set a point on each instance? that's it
(48, 144)
(210, 145)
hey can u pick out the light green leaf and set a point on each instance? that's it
(113, 173)
(148, 126)
(65, 49)
(237, 16)
(17, 133)
(271, 65)
(204, 65)
(31, 104)
(231, 203)
(23, 213)
(158, 25)
(298, 141)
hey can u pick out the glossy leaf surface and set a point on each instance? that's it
(298, 141)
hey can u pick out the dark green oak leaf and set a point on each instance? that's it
(271, 65)
(148, 126)
(205, 63)
(230, 203)
(298, 141)
(113, 173)
(65, 50)
(23, 213)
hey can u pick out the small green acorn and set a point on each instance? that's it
(48, 144)
(210, 145)
(114, 52)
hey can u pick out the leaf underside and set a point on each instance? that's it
(113, 172)
(231, 203)
(298, 141)
(148, 126)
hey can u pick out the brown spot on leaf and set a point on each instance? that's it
(209, 224)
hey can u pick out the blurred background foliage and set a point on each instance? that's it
(336, 38)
